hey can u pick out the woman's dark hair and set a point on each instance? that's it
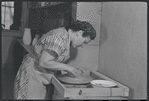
(88, 29)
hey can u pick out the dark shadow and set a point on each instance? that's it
(18, 56)
(73, 54)
(131, 93)
(9, 56)
(8, 74)
(7, 84)
(103, 34)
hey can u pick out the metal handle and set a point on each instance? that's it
(80, 92)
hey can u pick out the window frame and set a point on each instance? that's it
(6, 6)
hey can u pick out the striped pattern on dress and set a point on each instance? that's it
(21, 80)
(55, 42)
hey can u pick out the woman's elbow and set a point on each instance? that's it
(45, 64)
(41, 64)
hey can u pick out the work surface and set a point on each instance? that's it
(68, 91)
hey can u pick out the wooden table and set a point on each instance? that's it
(92, 93)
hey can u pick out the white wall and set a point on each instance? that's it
(123, 45)
(87, 57)
(91, 12)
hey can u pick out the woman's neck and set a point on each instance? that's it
(71, 35)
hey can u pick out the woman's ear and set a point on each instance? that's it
(79, 33)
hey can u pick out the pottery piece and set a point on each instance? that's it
(35, 39)
(84, 79)
(27, 36)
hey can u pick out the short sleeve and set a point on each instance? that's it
(54, 45)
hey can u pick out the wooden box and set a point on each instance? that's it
(65, 92)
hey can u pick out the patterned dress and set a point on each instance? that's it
(31, 79)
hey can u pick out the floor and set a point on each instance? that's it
(7, 83)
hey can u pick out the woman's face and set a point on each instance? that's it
(79, 40)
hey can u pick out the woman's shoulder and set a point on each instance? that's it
(57, 33)
(61, 32)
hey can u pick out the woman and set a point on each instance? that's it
(51, 50)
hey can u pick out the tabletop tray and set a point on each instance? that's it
(82, 92)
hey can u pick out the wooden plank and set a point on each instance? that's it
(58, 85)
(11, 33)
(96, 74)
(94, 93)
(116, 91)
(95, 98)
(57, 95)
(91, 92)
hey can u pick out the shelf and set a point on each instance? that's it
(47, 6)
(28, 48)
(11, 33)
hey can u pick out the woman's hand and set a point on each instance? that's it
(74, 72)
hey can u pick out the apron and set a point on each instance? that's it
(34, 82)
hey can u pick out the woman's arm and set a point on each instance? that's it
(47, 61)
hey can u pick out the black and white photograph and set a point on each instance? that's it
(79, 50)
